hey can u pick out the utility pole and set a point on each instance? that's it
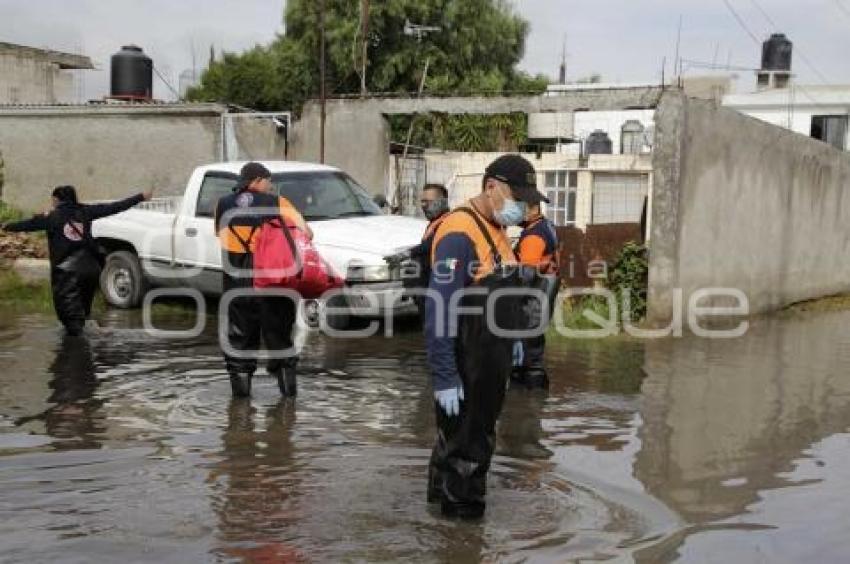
(676, 62)
(364, 35)
(322, 93)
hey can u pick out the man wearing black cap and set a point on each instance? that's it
(238, 219)
(470, 364)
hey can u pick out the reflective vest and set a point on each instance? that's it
(464, 222)
(538, 247)
(239, 234)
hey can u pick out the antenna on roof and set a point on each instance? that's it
(562, 75)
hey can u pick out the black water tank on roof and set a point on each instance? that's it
(598, 143)
(776, 53)
(132, 74)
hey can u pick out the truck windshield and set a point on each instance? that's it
(324, 195)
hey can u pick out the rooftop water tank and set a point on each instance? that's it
(598, 143)
(132, 74)
(776, 53)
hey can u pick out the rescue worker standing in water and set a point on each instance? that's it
(537, 250)
(75, 260)
(416, 261)
(470, 364)
(250, 317)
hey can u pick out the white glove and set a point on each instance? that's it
(450, 400)
(518, 354)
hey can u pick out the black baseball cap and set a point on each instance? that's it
(519, 174)
(250, 172)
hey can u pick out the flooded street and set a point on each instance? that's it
(128, 448)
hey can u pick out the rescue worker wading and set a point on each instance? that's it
(250, 317)
(75, 260)
(537, 250)
(416, 261)
(470, 364)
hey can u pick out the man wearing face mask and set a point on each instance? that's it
(416, 261)
(470, 364)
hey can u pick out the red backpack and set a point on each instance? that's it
(284, 257)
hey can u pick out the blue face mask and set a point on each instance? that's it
(512, 213)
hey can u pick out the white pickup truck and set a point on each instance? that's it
(172, 241)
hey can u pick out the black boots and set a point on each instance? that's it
(529, 378)
(240, 383)
(286, 381)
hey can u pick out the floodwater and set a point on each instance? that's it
(127, 448)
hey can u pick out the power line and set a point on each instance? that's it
(763, 13)
(805, 59)
(741, 22)
(800, 52)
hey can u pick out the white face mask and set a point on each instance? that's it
(512, 213)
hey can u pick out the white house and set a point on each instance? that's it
(818, 111)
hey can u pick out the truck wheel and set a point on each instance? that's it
(122, 282)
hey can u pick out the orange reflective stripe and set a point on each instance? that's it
(229, 242)
(531, 250)
(291, 214)
(432, 227)
(461, 222)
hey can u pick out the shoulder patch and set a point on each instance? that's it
(244, 199)
(73, 230)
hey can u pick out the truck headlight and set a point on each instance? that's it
(375, 273)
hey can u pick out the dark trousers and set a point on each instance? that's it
(252, 318)
(73, 294)
(457, 474)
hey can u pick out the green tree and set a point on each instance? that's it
(479, 44)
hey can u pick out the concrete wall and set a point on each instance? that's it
(30, 80)
(357, 140)
(357, 135)
(739, 203)
(111, 151)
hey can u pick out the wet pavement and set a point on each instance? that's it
(126, 448)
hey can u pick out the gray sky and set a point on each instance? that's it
(623, 40)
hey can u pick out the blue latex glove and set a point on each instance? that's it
(518, 354)
(450, 400)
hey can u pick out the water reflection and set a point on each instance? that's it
(725, 421)
(75, 416)
(656, 447)
(258, 472)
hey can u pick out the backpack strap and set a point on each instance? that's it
(246, 245)
(284, 225)
(497, 257)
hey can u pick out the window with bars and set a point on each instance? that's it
(560, 187)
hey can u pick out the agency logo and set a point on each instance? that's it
(73, 231)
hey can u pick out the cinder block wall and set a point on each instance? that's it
(109, 152)
(104, 154)
(738, 203)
